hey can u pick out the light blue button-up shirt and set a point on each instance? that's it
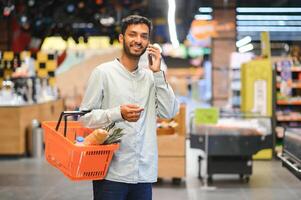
(111, 85)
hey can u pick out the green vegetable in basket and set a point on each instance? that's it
(110, 126)
(115, 134)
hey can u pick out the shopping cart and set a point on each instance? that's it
(76, 162)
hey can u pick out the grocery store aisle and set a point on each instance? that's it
(34, 179)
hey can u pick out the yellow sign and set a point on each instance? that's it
(256, 87)
(265, 45)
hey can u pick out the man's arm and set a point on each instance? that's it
(167, 104)
(98, 117)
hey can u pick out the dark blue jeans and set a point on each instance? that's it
(110, 190)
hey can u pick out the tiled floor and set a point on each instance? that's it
(34, 179)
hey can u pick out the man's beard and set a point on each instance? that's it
(129, 54)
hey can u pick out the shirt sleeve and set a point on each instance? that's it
(92, 100)
(166, 102)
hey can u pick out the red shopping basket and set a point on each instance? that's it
(76, 162)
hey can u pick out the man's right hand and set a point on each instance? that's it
(130, 112)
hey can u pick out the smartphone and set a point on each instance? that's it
(150, 59)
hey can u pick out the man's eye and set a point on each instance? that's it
(145, 37)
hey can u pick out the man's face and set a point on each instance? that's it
(135, 40)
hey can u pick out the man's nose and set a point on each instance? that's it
(138, 39)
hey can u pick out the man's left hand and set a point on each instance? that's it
(155, 54)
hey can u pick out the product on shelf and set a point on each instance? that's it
(288, 97)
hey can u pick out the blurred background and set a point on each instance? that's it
(234, 65)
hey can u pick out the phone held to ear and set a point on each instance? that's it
(150, 59)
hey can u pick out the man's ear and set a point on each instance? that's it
(120, 38)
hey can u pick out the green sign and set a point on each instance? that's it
(206, 116)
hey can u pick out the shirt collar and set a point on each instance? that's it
(135, 72)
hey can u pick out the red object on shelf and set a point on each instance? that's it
(299, 76)
(285, 102)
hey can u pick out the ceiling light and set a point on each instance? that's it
(203, 17)
(269, 28)
(243, 41)
(172, 23)
(107, 21)
(268, 10)
(268, 17)
(246, 48)
(205, 9)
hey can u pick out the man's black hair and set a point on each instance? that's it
(135, 19)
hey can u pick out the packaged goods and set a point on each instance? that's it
(79, 141)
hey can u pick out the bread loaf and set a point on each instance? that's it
(97, 137)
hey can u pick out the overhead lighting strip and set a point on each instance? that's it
(268, 10)
(172, 23)
(203, 17)
(205, 10)
(268, 23)
(269, 28)
(243, 41)
(268, 17)
(246, 48)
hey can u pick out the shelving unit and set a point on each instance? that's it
(288, 102)
(237, 59)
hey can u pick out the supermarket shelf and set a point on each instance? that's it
(288, 102)
(293, 69)
(288, 118)
(294, 85)
(288, 109)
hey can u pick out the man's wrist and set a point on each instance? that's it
(155, 71)
(121, 112)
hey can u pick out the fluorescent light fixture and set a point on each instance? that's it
(205, 9)
(172, 23)
(246, 48)
(268, 10)
(243, 41)
(269, 28)
(203, 17)
(269, 23)
(268, 17)
(278, 36)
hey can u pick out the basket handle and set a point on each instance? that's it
(67, 114)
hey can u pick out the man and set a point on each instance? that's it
(132, 96)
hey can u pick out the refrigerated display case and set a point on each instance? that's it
(291, 154)
(231, 143)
